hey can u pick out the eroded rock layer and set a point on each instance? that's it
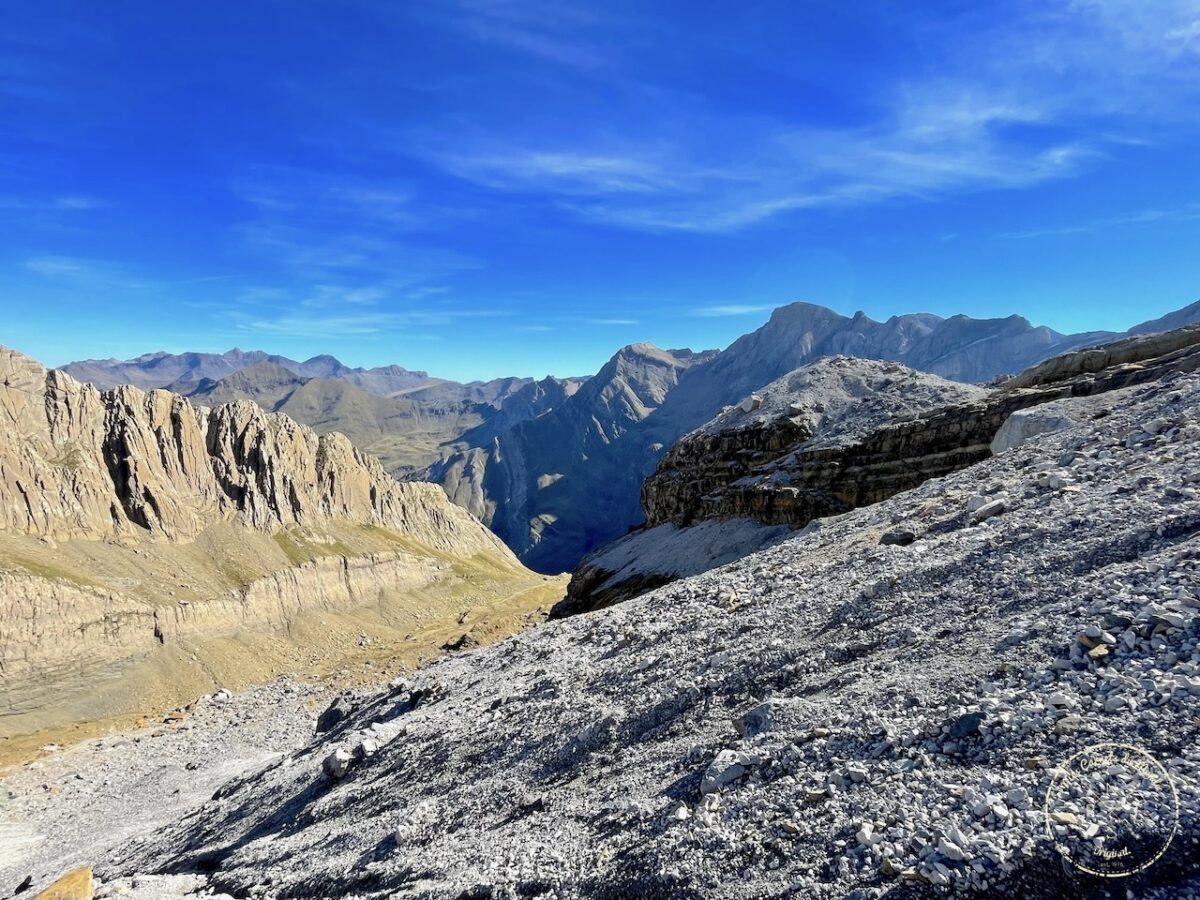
(842, 433)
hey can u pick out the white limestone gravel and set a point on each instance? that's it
(74, 806)
(919, 702)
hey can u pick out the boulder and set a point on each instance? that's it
(335, 714)
(337, 763)
(755, 721)
(751, 403)
(899, 537)
(1025, 424)
(728, 767)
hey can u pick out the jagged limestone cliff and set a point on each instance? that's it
(137, 529)
(75, 462)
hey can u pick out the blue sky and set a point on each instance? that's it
(487, 187)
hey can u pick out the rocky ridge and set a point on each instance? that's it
(838, 715)
(820, 410)
(149, 547)
(76, 462)
(798, 450)
(554, 507)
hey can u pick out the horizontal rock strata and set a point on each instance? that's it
(784, 457)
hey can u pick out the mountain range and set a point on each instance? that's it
(407, 419)
(161, 369)
(555, 467)
(874, 615)
(559, 486)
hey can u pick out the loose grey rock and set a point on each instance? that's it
(337, 763)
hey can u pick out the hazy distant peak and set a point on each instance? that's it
(265, 370)
(198, 370)
(1189, 315)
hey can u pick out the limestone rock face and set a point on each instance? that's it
(76, 462)
(740, 464)
(842, 433)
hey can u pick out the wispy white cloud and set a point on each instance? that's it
(937, 141)
(60, 266)
(562, 33)
(1188, 211)
(86, 272)
(335, 326)
(57, 203)
(731, 309)
(339, 323)
(337, 241)
(305, 195)
(564, 172)
(1186, 38)
(1047, 94)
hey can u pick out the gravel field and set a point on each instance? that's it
(74, 806)
(892, 704)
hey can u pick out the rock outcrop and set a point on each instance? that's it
(739, 465)
(76, 462)
(843, 433)
(137, 529)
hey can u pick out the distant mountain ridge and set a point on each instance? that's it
(552, 505)
(555, 468)
(406, 430)
(161, 369)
